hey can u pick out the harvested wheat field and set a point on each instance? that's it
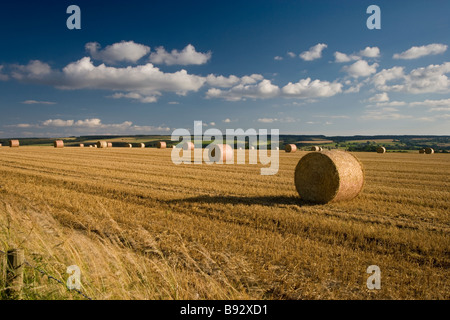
(140, 227)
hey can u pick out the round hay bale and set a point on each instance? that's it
(58, 144)
(315, 148)
(277, 148)
(188, 146)
(109, 145)
(422, 151)
(14, 143)
(220, 153)
(91, 146)
(130, 145)
(161, 145)
(142, 145)
(290, 148)
(174, 147)
(381, 150)
(0, 145)
(102, 144)
(81, 145)
(429, 150)
(320, 149)
(322, 177)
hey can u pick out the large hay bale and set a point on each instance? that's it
(381, 150)
(220, 153)
(422, 151)
(161, 145)
(188, 146)
(102, 144)
(290, 148)
(429, 150)
(315, 148)
(130, 145)
(14, 143)
(58, 144)
(322, 177)
(109, 145)
(81, 145)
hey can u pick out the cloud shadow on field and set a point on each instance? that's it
(269, 201)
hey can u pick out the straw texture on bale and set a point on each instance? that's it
(422, 151)
(58, 144)
(161, 145)
(188, 146)
(429, 150)
(381, 150)
(109, 145)
(329, 176)
(102, 144)
(290, 148)
(315, 148)
(221, 153)
(14, 143)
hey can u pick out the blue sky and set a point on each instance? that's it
(149, 67)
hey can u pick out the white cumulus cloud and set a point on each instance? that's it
(315, 52)
(418, 52)
(430, 79)
(360, 69)
(368, 52)
(122, 51)
(262, 90)
(187, 56)
(305, 88)
(379, 97)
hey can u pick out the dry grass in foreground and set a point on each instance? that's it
(140, 227)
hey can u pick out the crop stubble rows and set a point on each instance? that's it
(276, 246)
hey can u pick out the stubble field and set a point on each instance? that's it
(140, 227)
